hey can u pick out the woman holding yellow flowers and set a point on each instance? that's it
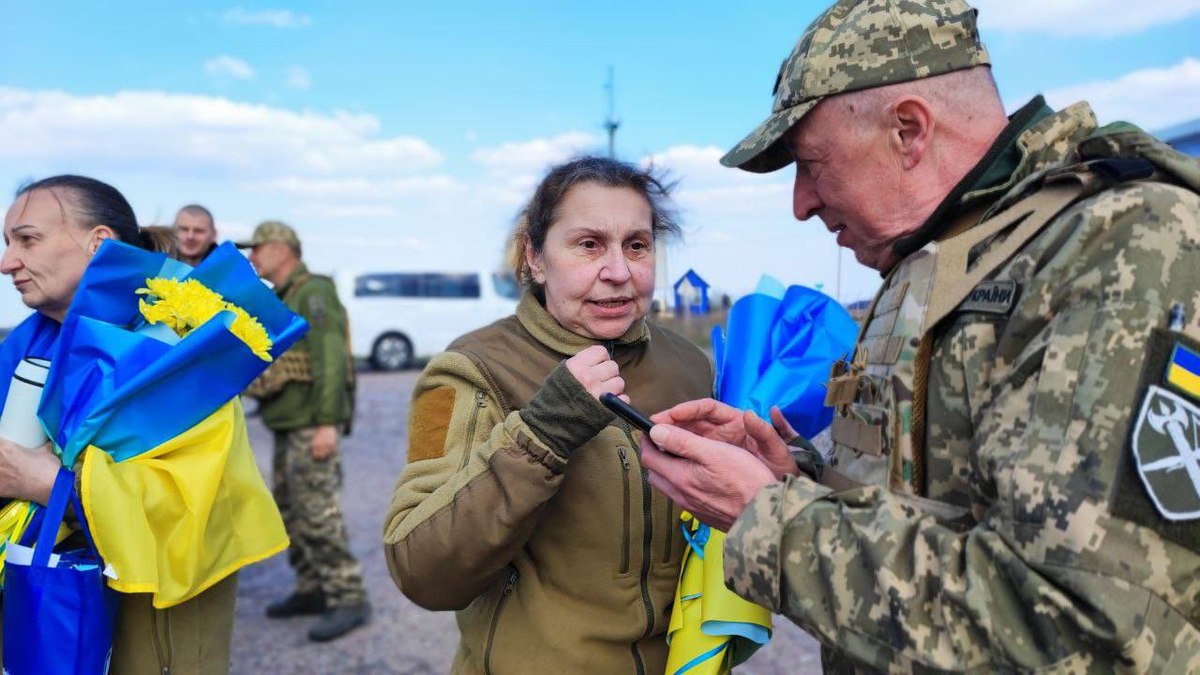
(51, 232)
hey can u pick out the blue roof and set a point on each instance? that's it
(694, 279)
(1185, 137)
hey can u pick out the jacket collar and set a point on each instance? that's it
(547, 330)
(300, 271)
(1036, 139)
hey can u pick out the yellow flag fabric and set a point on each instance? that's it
(711, 629)
(177, 519)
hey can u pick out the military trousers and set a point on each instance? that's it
(309, 495)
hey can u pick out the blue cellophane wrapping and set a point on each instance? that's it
(777, 349)
(125, 391)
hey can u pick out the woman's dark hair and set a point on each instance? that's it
(95, 203)
(541, 212)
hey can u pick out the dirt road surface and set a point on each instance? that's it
(401, 638)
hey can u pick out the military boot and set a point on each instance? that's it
(338, 621)
(297, 604)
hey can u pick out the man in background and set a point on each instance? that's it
(197, 233)
(306, 399)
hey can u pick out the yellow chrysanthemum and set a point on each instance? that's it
(186, 305)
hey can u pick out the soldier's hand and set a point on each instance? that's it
(782, 426)
(722, 422)
(598, 373)
(711, 479)
(324, 443)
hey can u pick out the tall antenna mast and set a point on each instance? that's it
(612, 122)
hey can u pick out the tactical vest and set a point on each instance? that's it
(879, 395)
(295, 365)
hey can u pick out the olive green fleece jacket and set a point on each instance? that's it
(327, 399)
(525, 507)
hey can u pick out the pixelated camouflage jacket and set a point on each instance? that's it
(1049, 554)
(326, 398)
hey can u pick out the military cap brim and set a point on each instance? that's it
(763, 151)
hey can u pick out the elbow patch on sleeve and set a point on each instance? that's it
(430, 424)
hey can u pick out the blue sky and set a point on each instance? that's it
(401, 135)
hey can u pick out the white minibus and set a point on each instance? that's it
(398, 317)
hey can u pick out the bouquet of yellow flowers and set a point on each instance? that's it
(142, 399)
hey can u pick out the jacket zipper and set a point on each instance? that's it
(625, 510)
(513, 575)
(647, 546)
(163, 664)
(479, 405)
(647, 551)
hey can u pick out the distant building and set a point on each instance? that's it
(858, 309)
(691, 294)
(1183, 137)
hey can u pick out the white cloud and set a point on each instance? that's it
(699, 167)
(535, 155)
(341, 212)
(514, 168)
(1152, 98)
(297, 78)
(365, 188)
(189, 134)
(276, 18)
(229, 66)
(1096, 18)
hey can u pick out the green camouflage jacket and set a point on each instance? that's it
(326, 399)
(1055, 524)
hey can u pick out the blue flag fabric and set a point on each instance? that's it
(778, 348)
(102, 367)
(36, 336)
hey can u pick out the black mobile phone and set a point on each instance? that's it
(627, 412)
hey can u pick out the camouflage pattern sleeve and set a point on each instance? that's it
(1082, 549)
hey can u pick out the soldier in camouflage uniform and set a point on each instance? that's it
(1014, 483)
(306, 399)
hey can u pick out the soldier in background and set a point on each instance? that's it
(1014, 483)
(306, 398)
(197, 233)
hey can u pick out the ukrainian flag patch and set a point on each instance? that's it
(1183, 371)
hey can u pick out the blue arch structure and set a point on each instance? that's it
(699, 284)
(1183, 137)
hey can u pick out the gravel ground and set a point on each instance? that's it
(401, 638)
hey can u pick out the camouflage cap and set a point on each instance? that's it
(271, 230)
(859, 44)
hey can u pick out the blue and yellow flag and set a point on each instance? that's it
(711, 629)
(1183, 372)
(126, 390)
(169, 485)
(180, 517)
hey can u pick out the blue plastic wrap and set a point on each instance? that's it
(777, 349)
(126, 391)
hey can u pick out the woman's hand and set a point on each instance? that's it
(27, 473)
(598, 373)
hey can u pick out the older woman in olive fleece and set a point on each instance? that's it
(524, 505)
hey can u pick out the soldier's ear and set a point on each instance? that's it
(910, 129)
